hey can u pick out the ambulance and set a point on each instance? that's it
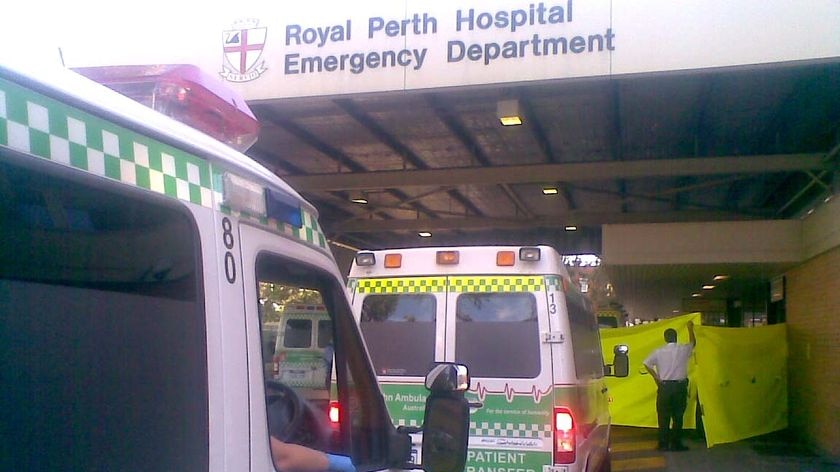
(137, 258)
(303, 347)
(528, 336)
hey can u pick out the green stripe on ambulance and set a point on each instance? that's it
(35, 124)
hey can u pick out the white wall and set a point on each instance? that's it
(821, 230)
(703, 243)
(639, 36)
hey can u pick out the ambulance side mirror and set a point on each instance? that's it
(620, 366)
(447, 378)
(447, 420)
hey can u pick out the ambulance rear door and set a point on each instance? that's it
(497, 326)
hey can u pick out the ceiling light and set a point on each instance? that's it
(571, 228)
(508, 112)
(550, 191)
(721, 277)
(424, 234)
(695, 295)
(359, 197)
(708, 287)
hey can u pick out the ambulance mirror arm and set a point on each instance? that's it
(620, 366)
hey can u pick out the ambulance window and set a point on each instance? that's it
(102, 326)
(586, 341)
(400, 332)
(607, 322)
(497, 334)
(310, 369)
(324, 333)
(298, 333)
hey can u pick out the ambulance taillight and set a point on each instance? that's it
(564, 436)
(334, 413)
(187, 94)
(278, 359)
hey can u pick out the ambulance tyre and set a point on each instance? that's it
(294, 420)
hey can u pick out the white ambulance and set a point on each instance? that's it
(136, 257)
(528, 336)
(303, 348)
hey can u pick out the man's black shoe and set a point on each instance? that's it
(678, 447)
(662, 447)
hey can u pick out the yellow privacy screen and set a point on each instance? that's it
(633, 398)
(742, 381)
(739, 375)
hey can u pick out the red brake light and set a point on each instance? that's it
(334, 413)
(564, 436)
(187, 94)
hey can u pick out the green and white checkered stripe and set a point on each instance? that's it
(500, 430)
(38, 125)
(514, 283)
(407, 422)
(400, 285)
(553, 282)
(316, 372)
(510, 430)
(44, 127)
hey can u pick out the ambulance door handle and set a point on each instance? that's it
(475, 404)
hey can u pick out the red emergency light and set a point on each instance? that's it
(187, 94)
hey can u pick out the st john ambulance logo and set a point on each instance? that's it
(243, 47)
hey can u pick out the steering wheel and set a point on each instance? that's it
(292, 419)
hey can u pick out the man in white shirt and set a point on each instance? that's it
(668, 367)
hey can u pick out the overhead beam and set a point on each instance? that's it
(328, 150)
(454, 125)
(541, 173)
(540, 135)
(399, 148)
(575, 218)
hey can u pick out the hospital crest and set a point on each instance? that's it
(243, 47)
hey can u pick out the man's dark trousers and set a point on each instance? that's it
(671, 400)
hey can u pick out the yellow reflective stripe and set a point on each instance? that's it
(457, 284)
(515, 283)
(401, 285)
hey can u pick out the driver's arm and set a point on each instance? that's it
(294, 458)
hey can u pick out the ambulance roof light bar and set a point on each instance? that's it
(187, 94)
(249, 197)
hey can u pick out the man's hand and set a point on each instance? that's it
(652, 373)
(692, 339)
